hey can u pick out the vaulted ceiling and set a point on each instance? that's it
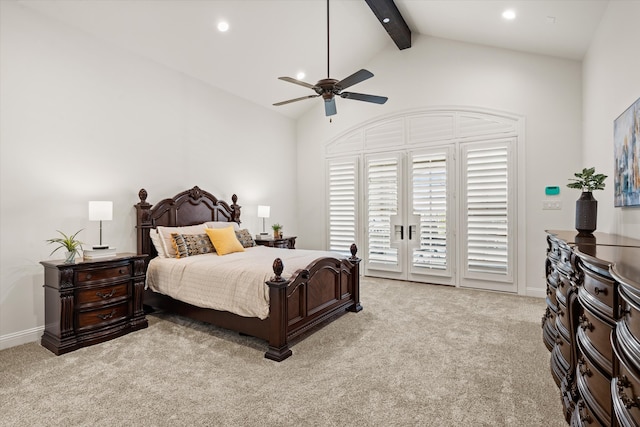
(271, 38)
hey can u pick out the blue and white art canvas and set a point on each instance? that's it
(626, 146)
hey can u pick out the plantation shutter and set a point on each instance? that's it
(487, 211)
(429, 194)
(382, 176)
(343, 204)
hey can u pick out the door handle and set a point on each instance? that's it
(399, 228)
(411, 227)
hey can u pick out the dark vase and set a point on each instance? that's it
(586, 213)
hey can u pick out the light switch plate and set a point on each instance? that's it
(554, 205)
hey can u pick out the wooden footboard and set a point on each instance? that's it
(327, 287)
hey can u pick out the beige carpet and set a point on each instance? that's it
(417, 355)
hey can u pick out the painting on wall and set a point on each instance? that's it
(626, 146)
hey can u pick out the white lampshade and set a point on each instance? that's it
(100, 211)
(264, 211)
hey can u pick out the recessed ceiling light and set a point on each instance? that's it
(301, 75)
(386, 20)
(223, 26)
(509, 14)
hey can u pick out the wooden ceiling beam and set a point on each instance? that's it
(396, 26)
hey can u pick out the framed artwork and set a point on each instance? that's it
(626, 154)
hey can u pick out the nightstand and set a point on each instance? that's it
(92, 301)
(286, 242)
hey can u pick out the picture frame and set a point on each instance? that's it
(626, 154)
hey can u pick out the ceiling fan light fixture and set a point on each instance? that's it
(301, 75)
(329, 88)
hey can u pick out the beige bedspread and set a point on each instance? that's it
(233, 282)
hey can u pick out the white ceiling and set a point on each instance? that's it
(272, 38)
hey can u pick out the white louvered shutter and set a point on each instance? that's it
(343, 204)
(430, 195)
(487, 211)
(382, 201)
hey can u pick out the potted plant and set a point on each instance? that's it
(586, 206)
(276, 230)
(70, 243)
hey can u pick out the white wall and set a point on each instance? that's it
(611, 85)
(437, 72)
(82, 120)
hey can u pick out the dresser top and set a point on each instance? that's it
(80, 262)
(571, 237)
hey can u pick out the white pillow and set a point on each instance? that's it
(165, 236)
(222, 224)
(157, 242)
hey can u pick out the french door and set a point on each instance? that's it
(442, 214)
(406, 199)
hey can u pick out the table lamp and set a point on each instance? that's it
(100, 211)
(263, 212)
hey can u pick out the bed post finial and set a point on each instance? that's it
(235, 208)
(354, 250)
(278, 267)
(143, 195)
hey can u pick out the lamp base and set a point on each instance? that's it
(100, 246)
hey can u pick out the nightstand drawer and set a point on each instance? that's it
(102, 316)
(95, 274)
(102, 295)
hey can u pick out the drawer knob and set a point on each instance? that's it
(89, 276)
(584, 323)
(105, 296)
(599, 291)
(106, 316)
(121, 271)
(560, 312)
(624, 311)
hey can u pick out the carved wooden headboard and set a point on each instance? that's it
(190, 207)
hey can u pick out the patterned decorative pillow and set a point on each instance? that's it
(191, 244)
(167, 241)
(245, 238)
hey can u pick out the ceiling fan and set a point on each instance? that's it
(329, 88)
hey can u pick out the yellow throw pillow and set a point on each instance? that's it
(224, 240)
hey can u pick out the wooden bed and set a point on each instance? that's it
(324, 289)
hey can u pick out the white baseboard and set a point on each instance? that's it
(536, 292)
(22, 337)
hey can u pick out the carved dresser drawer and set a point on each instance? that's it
(599, 292)
(104, 273)
(92, 301)
(594, 335)
(103, 294)
(98, 318)
(563, 321)
(595, 388)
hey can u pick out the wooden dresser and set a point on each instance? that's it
(585, 288)
(92, 301)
